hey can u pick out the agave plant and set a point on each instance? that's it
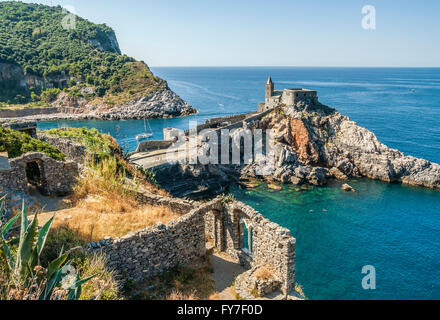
(23, 269)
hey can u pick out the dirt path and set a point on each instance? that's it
(47, 204)
(225, 272)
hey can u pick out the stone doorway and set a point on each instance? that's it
(34, 176)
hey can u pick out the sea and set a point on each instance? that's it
(385, 235)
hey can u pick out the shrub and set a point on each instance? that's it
(95, 141)
(17, 143)
(50, 95)
(227, 198)
(23, 277)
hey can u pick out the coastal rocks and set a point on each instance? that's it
(322, 137)
(194, 181)
(318, 176)
(162, 104)
(346, 187)
(337, 174)
(159, 105)
(299, 139)
(275, 187)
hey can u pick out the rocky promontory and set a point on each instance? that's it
(159, 105)
(314, 143)
(57, 73)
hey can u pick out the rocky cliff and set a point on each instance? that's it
(163, 103)
(44, 64)
(316, 143)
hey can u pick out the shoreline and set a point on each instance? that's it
(79, 117)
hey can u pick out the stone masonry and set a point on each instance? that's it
(157, 249)
(55, 177)
(74, 151)
(271, 244)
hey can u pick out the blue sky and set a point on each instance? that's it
(270, 32)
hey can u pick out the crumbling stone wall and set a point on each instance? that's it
(151, 251)
(175, 204)
(271, 244)
(56, 177)
(74, 151)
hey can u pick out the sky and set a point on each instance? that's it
(270, 32)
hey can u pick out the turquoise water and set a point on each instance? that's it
(394, 228)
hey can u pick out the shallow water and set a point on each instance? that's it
(394, 228)
(391, 227)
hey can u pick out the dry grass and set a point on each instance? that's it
(106, 180)
(264, 273)
(179, 296)
(95, 218)
(104, 204)
(104, 285)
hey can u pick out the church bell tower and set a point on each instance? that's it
(269, 88)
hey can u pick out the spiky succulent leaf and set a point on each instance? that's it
(2, 208)
(54, 280)
(25, 248)
(55, 265)
(9, 225)
(42, 235)
(24, 220)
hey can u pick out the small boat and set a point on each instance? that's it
(147, 134)
(144, 136)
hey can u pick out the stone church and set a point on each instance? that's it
(287, 97)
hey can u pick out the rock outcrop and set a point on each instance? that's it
(60, 74)
(163, 103)
(315, 143)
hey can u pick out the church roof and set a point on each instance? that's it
(269, 80)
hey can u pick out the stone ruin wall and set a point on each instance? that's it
(74, 151)
(157, 249)
(56, 177)
(272, 245)
(153, 250)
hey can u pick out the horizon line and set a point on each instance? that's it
(287, 66)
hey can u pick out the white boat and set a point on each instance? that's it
(147, 134)
(144, 136)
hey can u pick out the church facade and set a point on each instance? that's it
(286, 97)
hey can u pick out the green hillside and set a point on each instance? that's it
(33, 38)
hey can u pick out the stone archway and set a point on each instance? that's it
(35, 175)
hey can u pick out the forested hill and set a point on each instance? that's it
(40, 57)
